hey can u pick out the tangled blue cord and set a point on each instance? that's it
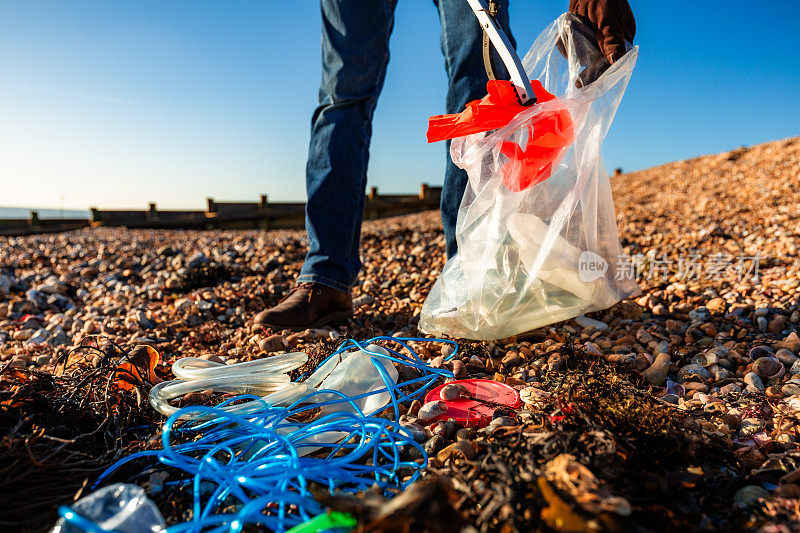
(252, 468)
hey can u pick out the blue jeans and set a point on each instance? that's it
(355, 53)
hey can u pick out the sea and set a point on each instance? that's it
(25, 212)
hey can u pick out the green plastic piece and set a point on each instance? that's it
(325, 522)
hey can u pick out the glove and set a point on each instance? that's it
(613, 22)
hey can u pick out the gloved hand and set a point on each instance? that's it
(613, 22)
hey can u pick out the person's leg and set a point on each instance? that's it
(462, 41)
(355, 53)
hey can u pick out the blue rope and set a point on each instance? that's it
(250, 468)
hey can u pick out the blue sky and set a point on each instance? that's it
(116, 104)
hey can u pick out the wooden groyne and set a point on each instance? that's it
(262, 214)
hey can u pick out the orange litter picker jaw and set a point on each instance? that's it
(549, 133)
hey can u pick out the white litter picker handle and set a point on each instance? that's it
(507, 53)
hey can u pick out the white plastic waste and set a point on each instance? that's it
(194, 368)
(272, 388)
(263, 377)
(549, 252)
(354, 373)
(120, 507)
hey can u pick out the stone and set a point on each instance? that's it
(140, 318)
(184, 305)
(660, 310)
(39, 337)
(700, 314)
(417, 433)
(753, 379)
(459, 369)
(433, 445)
(447, 350)
(657, 373)
(777, 324)
(643, 336)
(43, 359)
(58, 337)
(592, 349)
(693, 372)
(786, 357)
(662, 347)
(554, 362)
(695, 386)
(717, 306)
(705, 359)
(722, 374)
(791, 389)
(363, 300)
(196, 260)
(6, 284)
(454, 391)
(173, 283)
(273, 343)
(750, 495)
(432, 409)
(465, 434)
(38, 299)
(730, 388)
(791, 343)
(501, 422)
(621, 359)
(532, 395)
(59, 301)
(512, 359)
(460, 450)
(643, 362)
(767, 367)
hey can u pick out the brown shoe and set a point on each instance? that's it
(308, 305)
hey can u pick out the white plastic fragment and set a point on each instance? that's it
(586, 322)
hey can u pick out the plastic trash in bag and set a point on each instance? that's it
(120, 507)
(536, 229)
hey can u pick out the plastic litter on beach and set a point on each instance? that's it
(261, 464)
(475, 401)
(121, 508)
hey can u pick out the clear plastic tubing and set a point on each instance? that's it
(275, 389)
(191, 368)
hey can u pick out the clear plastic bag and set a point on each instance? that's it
(354, 373)
(537, 237)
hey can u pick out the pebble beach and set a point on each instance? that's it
(708, 355)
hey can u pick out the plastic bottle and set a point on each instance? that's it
(121, 507)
